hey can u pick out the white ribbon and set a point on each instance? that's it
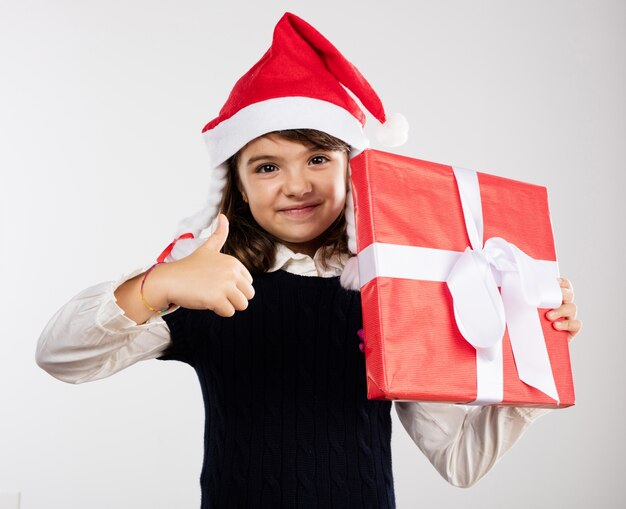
(480, 310)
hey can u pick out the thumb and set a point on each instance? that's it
(216, 241)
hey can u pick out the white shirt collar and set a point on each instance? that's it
(304, 265)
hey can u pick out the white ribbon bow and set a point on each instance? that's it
(481, 311)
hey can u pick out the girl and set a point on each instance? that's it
(264, 308)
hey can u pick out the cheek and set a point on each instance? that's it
(260, 199)
(339, 189)
(340, 197)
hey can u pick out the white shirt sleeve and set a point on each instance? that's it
(91, 338)
(464, 442)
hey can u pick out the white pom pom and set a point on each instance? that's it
(350, 276)
(202, 219)
(209, 230)
(394, 132)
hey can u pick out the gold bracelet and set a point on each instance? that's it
(143, 299)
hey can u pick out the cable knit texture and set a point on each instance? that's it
(288, 424)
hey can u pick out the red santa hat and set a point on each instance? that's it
(299, 83)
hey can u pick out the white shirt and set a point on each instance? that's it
(90, 338)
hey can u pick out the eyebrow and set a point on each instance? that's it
(254, 159)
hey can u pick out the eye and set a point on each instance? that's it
(319, 159)
(266, 168)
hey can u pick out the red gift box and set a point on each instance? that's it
(419, 242)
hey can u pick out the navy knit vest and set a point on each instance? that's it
(288, 424)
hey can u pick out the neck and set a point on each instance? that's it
(307, 248)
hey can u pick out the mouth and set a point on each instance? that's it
(300, 210)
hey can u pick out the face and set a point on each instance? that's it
(294, 192)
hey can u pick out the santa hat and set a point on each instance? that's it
(297, 84)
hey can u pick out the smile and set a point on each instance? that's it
(300, 211)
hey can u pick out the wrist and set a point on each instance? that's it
(153, 289)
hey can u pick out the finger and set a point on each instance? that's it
(246, 273)
(216, 241)
(565, 283)
(577, 326)
(567, 310)
(224, 308)
(572, 326)
(568, 294)
(237, 299)
(246, 288)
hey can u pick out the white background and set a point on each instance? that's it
(101, 108)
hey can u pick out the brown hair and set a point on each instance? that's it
(250, 243)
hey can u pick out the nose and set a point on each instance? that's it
(296, 183)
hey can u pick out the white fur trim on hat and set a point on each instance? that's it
(202, 223)
(282, 113)
(349, 215)
(350, 276)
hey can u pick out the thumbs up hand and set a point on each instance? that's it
(208, 279)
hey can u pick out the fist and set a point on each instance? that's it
(209, 279)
